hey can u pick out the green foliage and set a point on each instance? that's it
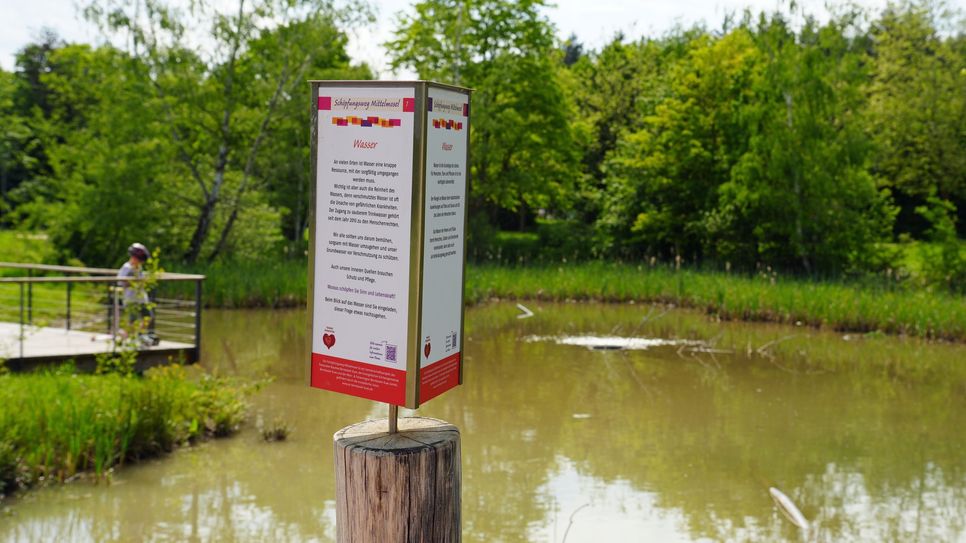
(15, 141)
(917, 107)
(66, 423)
(776, 140)
(943, 262)
(553, 241)
(662, 179)
(524, 157)
(26, 247)
(800, 196)
(883, 305)
(173, 144)
(756, 155)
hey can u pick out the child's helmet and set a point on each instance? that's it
(138, 251)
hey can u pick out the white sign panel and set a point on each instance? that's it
(362, 241)
(386, 300)
(444, 214)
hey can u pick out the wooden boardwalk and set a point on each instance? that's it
(42, 345)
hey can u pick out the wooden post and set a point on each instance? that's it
(401, 487)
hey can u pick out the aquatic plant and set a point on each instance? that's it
(277, 430)
(66, 424)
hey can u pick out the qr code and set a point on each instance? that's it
(390, 353)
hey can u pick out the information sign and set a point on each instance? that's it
(390, 164)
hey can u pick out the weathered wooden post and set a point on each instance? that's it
(386, 296)
(402, 486)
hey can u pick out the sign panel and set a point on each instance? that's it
(363, 210)
(387, 249)
(447, 141)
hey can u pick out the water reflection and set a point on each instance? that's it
(663, 444)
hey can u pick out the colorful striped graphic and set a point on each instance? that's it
(369, 121)
(447, 124)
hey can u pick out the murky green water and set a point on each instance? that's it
(678, 441)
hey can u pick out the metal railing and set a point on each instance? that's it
(89, 300)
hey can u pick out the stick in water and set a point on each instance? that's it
(788, 508)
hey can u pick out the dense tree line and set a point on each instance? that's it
(776, 140)
(195, 145)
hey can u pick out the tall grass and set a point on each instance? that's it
(279, 283)
(874, 305)
(56, 425)
(877, 306)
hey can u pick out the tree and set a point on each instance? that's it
(613, 90)
(523, 154)
(15, 140)
(801, 197)
(917, 109)
(220, 102)
(106, 165)
(662, 179)
(25, 106)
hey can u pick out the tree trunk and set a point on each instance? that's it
(207, 214)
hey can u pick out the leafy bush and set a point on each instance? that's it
(25, 247)
(943, 262)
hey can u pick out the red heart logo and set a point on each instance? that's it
(426, 350)
(328, 340)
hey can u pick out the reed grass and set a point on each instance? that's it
(878, 304)
(874, 306)
(57, 425)
(279, 283)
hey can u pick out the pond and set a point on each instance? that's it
(584, 423)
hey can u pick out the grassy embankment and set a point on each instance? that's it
(859, 307)
(878, 305)
(56, 425)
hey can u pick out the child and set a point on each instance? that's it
(135, 300)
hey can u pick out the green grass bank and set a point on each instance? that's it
(873, 305)
(59, 424)
(877, 304)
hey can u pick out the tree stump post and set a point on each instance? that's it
(398, 487)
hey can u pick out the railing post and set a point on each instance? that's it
(116, 307)
(30, 298)
(21, 321)
(198, 306)
(153, 300)
(69, 285)
(110, 309)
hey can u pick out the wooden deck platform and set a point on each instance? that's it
(43, 345)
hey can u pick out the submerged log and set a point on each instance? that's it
(401, 487)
